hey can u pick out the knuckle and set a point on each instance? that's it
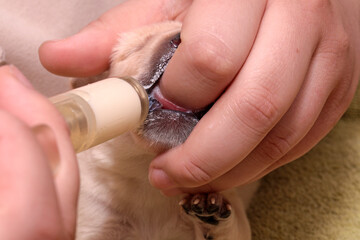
(342, 42)
(211, 59)
(340, 99)
(273, 148)
(194, 174)
(259, 110)
(336, 48)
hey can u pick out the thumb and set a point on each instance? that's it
(87, 53)
(26, 185)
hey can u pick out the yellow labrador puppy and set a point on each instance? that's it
(116, 200)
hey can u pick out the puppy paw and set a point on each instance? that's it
(210, 208)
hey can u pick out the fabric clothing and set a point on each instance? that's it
(25, 25)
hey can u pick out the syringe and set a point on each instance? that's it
(103, 110)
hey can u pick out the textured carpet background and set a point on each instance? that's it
(318, 195)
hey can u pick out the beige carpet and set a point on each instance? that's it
(318, 195)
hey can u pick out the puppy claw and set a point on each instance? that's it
(182, 202)
(228, 207)
(209, 208)
(196, 201)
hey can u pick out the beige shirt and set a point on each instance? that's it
(24, 25)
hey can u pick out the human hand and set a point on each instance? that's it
(38, 171)
(282, 73)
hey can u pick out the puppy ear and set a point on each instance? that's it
(79, 82)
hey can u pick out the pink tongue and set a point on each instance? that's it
(166, 104)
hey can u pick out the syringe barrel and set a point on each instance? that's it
(103, 110)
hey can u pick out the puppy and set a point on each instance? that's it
(116, 199)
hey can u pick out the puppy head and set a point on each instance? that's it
(144, 55)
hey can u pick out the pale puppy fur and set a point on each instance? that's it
(117, 200)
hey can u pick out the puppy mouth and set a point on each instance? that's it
(157, 101)
(167, 124)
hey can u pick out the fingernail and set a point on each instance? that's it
(19, 76)
(159, 179)
(46, 138)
